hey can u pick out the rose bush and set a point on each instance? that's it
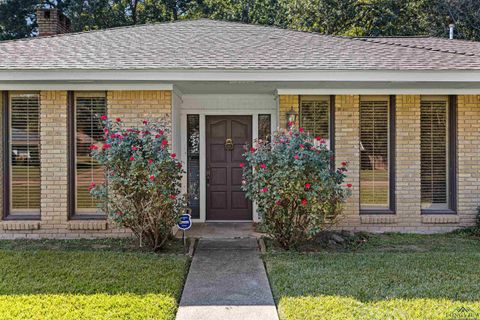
(143, 180)
(297, 192)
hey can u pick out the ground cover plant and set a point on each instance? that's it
(89, 279)
(296, 189)
(390, 276)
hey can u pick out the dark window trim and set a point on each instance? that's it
(452, 160)
(7, 165)
(6, 154)
(71, 172)
(392, 149)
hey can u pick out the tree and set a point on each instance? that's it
(17, 19)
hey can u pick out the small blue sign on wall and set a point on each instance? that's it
(185, 222)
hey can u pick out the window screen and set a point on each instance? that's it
(193, 164)
(25, 154)
(434, 152)
(315, 115)
(88, 131)
(374, 153)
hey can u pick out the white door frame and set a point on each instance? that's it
(203, 113)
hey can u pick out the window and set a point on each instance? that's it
(317, 116)
(264, 127)
(193, 164)
(86, 130)
(376, 150)
(22, 149)
(437, 149)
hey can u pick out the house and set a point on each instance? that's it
(404, 113)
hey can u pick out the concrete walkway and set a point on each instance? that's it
(227, 281)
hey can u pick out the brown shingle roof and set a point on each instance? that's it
(216, 45)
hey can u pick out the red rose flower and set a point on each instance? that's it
(307, 186)
(106, 146)
(349, 185)
(304, 202)
(152, 178)
(92, 185)
(119, 120)
(104, 117)
(173, 155)
(134, 148)
(318, 138)
(179, 165)
(263, 190)
(302, 146)
(132, 158)
(301, 130)
(164, 142)
(150, 161)
(278, 203)
(263, 166)
(93, 147)
(296, 157)
(172, 196)
(145, 122)
(252, 149)
(289, 124)
(160, 132)
(242, 165)
(106, 131)
(344, 164)
(158, 136)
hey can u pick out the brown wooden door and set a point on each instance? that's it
(225, 199)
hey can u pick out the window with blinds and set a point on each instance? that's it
(88, 131)
(434, 143)
(374, 153)
(24, 143)
(315, 115)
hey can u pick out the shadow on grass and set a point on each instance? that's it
(391, 277)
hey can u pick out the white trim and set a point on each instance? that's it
(373, 91)
(204, 111)
(83, 86)
(243, 75)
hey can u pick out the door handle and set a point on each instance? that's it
(229, 144)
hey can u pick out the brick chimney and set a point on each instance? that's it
(51, 21)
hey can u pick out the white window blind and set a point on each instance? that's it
(25, 154)
(374, 153)
(315, 115)
(88, 131)
(434, 153)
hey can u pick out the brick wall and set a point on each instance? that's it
(132, 107)
(468, 150)
(408, 216)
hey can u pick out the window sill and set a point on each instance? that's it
(87, 225)
(86, 217)
(436, 211)
(376, 211)
(23, 217)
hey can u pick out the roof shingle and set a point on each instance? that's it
(216, 45)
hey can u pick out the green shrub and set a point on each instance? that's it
(143, 180)
(296, 190)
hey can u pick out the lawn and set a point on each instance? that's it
(392, 276)
(88, 279)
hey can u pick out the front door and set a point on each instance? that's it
(226, 136)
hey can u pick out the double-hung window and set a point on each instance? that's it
(86, 130)
(377, 186)
(21, 192)
(438, 154)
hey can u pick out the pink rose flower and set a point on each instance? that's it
(307, 186)
(263, 190)
(106, 146)
(152, 178)
(301, 130)
(132, 158)
(134, 148)
(104, 117)
(92, 185)
(164, 142)
(296, 157)
(93, 147)
(242, 165)
(173, 155)
(263, 166)
(150, 161)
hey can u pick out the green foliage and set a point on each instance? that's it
(293, 185)
(339, 17)
(142, 191)
(394, 276)
(54, 281)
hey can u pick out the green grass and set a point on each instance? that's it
(89, 279)
(393, 276)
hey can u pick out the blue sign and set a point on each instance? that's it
(185, 222)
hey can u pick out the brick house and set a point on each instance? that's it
(404, 112)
